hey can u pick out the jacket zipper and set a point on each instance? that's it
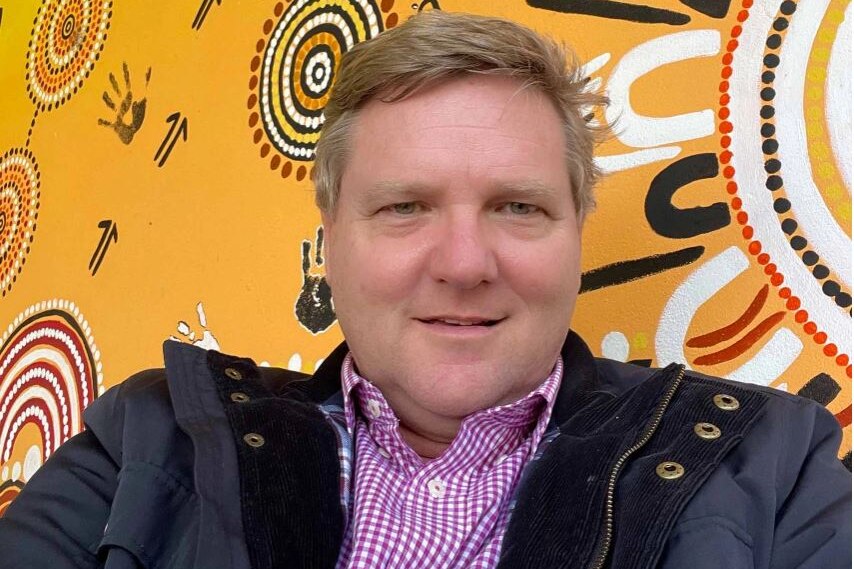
(608, 525)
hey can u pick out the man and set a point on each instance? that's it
(460, 426)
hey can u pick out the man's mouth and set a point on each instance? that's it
(449, 321)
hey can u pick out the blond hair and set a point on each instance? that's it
(435, 46)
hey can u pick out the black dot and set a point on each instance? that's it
(766, 112)
(771, 60)
(767, 94)
(798, 242)
(769, 146)
(789, 226)
(768, 77)
(810, 258)
(774, 183)
(830, 288)
(820, 272)
(767, 129)
(773, 41)
(788, 7)
(781, 205)
(772, 166)
(843, 299)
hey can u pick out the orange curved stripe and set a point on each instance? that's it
(730, 330)
(735, 350)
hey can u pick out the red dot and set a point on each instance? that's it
(830, 350)
(259, 46)
(726, 141)
(724, 100)
(278, 9)
(725, 127)
(842, 359)
(776, 279)
(848, 371)
(810, 327)
(820, 338)
(747, 3)
(391, 20)
(742, 16)
(286, 169)
(732, 45)
(763, 259)
(731, 187)
(785, 292)
(723, 87)
(723, 113)
(726, 72)
(726, 156)
(754, 248)
(736, 31)
(741, 217)
(747, 232)
(727, 59)
(729, 172)
(736, 203)
(801, 316)
(265, 150)
(301, 173)
(793, 303)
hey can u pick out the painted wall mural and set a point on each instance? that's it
(155, 163)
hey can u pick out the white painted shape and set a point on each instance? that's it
(32, 462)
(747, 159)
(699, 287)
(183, 328)
(615, 346)
(317, 363)
(595, 64)
(640, 131)
(771, 361)
(808, 205)
(838, 104)
(208, 341)
(16, 471)
(295, 363)
(620, 162)
(200, 310)
(782, 387)
(4, 475)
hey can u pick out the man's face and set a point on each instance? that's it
(453, 253)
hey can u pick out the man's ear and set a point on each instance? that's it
(327, 222)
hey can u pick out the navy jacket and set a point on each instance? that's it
(641, 468)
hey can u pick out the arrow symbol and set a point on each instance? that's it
(202, 13)
(110, 234)
(176, 130)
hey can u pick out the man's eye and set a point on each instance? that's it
(520, 208)
(405, 208)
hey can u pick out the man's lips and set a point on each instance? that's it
(462, 321)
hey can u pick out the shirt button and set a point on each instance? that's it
(436, 487)
(233, 374)
(374, 408)
(384, 453)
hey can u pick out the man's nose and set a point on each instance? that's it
(463, 253)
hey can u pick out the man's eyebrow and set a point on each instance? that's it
(528, 188)
(396, 189)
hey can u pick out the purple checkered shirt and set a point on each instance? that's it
(451, 511)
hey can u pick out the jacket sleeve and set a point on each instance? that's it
(58, 519)
(813, 522)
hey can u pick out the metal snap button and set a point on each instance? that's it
(254, 440)
(670, 470)
(707, 431)
(436, 487)
(233, 374)
(726, 402)
(239, 397)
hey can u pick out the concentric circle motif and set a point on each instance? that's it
(49, 372)
(67, 39)
(791, 193)
(292, 73)
(19, 206)
(9, 490)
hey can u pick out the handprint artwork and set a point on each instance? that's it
(125, 131)
(313, 307)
